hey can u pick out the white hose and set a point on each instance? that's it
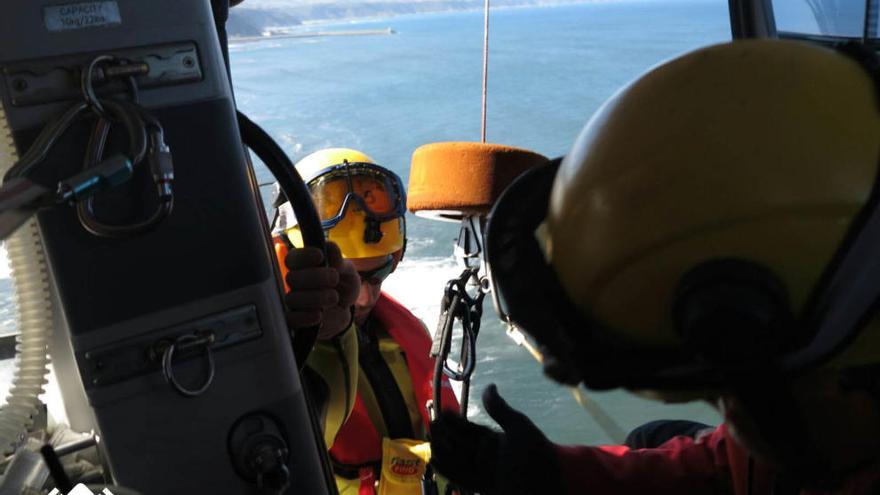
(31, 281)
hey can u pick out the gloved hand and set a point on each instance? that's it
(517, 460)
(320, 294)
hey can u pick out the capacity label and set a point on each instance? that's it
(81, 15)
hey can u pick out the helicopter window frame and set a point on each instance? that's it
(767, 13)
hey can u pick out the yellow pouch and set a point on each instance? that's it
(403, 465)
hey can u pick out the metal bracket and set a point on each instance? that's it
(124, 360)
(58, 79)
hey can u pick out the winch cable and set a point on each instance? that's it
(485, 91)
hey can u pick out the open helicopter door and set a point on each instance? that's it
(822, 21)
(173, 329)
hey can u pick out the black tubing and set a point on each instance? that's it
(255, 138)
(288, 178)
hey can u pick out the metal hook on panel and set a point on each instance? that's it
(180, 344)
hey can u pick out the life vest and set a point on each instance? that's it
(328, 372)
(357, 452)
(281, 251)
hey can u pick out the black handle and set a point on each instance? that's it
(255, 138)
(288, 178)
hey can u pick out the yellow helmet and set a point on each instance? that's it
(713, 218)
(361, 204)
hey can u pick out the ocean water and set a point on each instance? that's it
(550, 69)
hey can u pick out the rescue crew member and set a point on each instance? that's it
(713, 234)
(382, 447)
(324, 296)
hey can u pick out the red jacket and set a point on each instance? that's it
(715, 463)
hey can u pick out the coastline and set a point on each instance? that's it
(403, 15)
(311, 34)
(307, 24)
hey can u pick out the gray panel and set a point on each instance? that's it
(123, 298)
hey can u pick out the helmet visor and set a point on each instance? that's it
(362, 186)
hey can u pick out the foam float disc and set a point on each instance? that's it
(454, 179)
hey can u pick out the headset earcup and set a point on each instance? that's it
(733, 312)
